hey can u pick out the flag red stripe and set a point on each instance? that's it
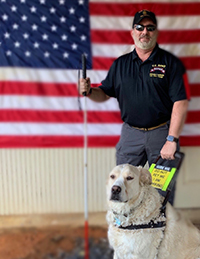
(104, 63)
(59, 116)
(38, 88)
(165, 37)
(56, 90)
(72, 116)
(193, 117)
(190, 141)
(195, 90)
(191, 62)
(129, 9)
(73, 141)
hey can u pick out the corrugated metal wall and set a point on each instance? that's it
(40, 181)
(52, 180)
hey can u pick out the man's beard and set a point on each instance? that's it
(146, 45)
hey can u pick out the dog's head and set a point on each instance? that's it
(125, 182)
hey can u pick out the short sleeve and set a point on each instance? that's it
(177, 87)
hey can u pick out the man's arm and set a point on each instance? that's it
(178, 117)
(97, 94)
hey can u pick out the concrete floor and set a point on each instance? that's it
(76, 219)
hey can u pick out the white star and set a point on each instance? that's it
(7, 35)
(8, 53)
(62, 19)
(74, 46)
(36, 45)
(15, 26)
(13, 8)
(3, 1)
(33, 9)
(55, 46)
(45, 37)
(42, 1)
(72, 28)
(24, 18)
(71, 10)
(5, 17)
(43, 19)
(46, 54)
(81, 2)
(62, 2)
(34, 27)
(64, 37)
(27, 53)
(54, 28)
(25, 35)
(23, 1)
(82, 19)
(65, 55)
(83, 37)
(17, 44)
(52, 10)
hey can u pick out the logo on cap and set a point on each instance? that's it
(144, 13)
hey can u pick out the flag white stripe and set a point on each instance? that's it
(115, 50)
(70, 76)
(76, 129)
(194, 104)
(66, 103)
(177, 22)
(191, 129)
(56, 129)
(54, 103)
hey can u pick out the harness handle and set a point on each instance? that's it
(179, 156)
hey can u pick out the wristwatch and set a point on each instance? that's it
(172, 139)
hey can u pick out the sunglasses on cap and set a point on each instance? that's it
(149, 27)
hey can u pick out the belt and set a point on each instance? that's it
(152, 128)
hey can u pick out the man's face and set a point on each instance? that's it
(145, 39)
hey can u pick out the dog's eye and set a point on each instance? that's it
(129, 178)
(112, 176)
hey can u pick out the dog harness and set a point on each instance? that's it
(151, 224)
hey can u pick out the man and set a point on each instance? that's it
(149, 84)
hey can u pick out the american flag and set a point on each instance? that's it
(41, 43)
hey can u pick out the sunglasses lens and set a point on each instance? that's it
(151, 28)
(139, 27)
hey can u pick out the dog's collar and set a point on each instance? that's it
(151, 224)
(125, 214)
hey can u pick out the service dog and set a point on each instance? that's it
(138, 228)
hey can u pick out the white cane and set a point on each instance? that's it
(85, 163)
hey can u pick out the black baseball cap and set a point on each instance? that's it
(144, 14)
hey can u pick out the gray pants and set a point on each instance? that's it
(136, 147)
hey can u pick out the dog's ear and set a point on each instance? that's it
(145, 176)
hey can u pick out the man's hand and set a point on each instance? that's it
(84, 85)
(168, 150)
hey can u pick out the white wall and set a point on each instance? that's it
(52, 180)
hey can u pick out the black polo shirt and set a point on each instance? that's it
(146, 90)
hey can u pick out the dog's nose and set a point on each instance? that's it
(116, 189)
